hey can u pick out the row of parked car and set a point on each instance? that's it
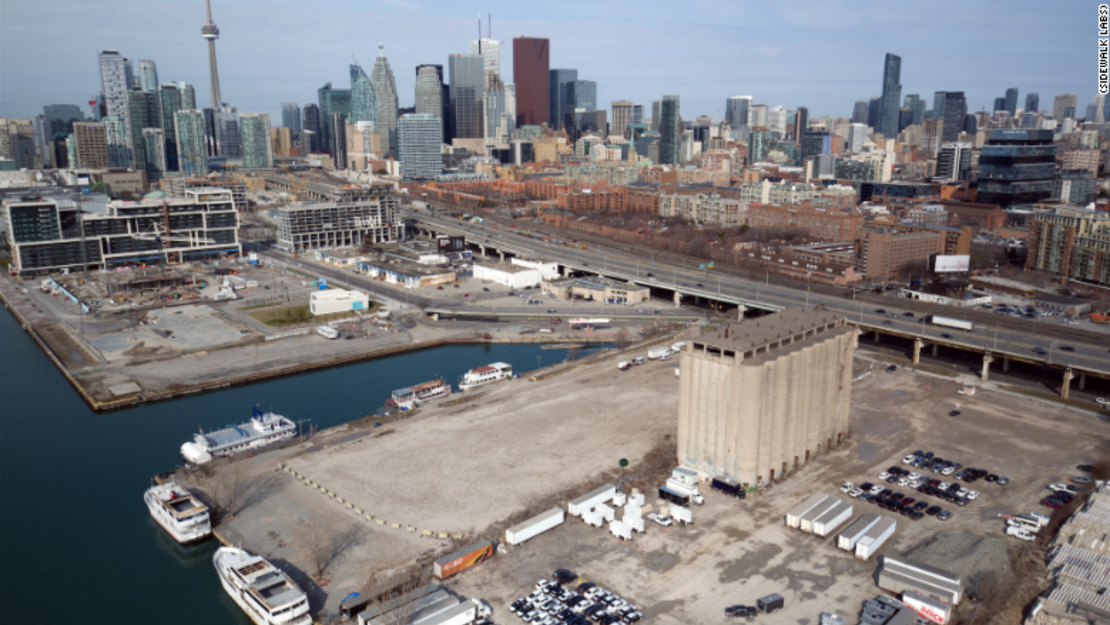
(552, 603)
(1062, 494)
(896, 502)
(928, 461)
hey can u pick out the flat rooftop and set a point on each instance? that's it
(770, 331)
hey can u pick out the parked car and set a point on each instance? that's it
(933, 510)
(944, 515)
(1050, 502)
(737, 611)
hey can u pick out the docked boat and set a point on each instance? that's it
(412, 396)
(178, 512)
(485, 375)
(264, 428)
(261, 589)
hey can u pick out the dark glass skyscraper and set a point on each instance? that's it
(1017, 167)
(892, 96)
(801, 124)
(873, 106)
(310, 115)
(916, 107)
(670, 130)
(859, 113)
(169, 101)
(531, 68)
(1011, 100)
(952, 107)
(561, 94)
(141, 113)
(466, 72)
(1032, 101)
(999, 104)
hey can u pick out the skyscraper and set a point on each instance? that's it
(1064, 103)
(1011, 101)
(737, 110)
(148, 76)
(999, 104)
(188, 95)
(892, 95)
(757, 116)
(429, 94)
(954, 163)
(364, 100)
(531, 76)
(291, 118)
(585, 95)
(91, 146)
(42, 140)
(801, 124)
(142, 112)
(490, 51)
(115, 135)
(952, 109)
(254, 132)
(311, 117)
(622, 116)
(386, 89)
(873, 106)
(193, 154)
(226, 130)
(1017, 167)
(169, 102)
(154, 150)
(916, 107)
(1032, 101)
(497, 127)
(338, 126)
(331, 101)
(759, 144)
(561, 92)
(115, 81)
(859, 113)
(211, 33)
(59, 118)
(467, 77)
(418, 146)
(857, 134)
(1099, 108)
(670, 130)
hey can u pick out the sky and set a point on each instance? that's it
(822, 55)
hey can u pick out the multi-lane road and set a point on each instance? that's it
(1065, 346)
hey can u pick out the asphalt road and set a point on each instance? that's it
(1001, 335)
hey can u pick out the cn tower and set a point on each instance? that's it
(211, 33)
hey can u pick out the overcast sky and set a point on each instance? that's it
(823, 55)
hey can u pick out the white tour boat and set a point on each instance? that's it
(485, 375)
(261, 589)
(412, 396)
(264, 428)
(178, 512)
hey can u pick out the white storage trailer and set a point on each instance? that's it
(870, 542)
(619, 499)
(902, 575)
(656, 353)
(592, 518)
(534, 526)
(686, 476)
(620, 530)
(635, 523)
(424, 606)
(688, 490)
(929, 608)
(849, 537)
(591, 499)
(793, 518)
(605, 511)
(949, 322)
(682, 514)
(827, 523)
(808, 518)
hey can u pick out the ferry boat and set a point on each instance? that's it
(264, 428)
(485, 375)
(178, 512)
(412, 396)
(261, 589)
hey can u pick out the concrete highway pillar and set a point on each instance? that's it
(935, 348)
(876, 336)
(483, 248)
(987, 360)
(917, 351)
(502, 255)
(1082, 381)
(1067, 384)
(1005, 363)
(740, 310)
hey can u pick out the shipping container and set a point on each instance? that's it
(793, 518)
(606, 512)
(634, 522)
(870, 542)
(463, 559)
(901, 575)
(927, 607)
(678, 513)
(849, 537)
(686, 476)
(806, 524)
(620, 530)
(827, 523)
(727, 486)
(534, 526)
(591, 499)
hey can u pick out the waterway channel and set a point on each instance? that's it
(76, 540)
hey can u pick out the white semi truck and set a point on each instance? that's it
(683, 488)
(949, 322)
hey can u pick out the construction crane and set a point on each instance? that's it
(163, 234)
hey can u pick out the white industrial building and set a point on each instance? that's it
(334, 301)
(508, 274)
(548, 271)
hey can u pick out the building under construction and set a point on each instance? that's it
(55, 234)
(177, 186)
(353, 216)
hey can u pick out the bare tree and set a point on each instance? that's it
(317, 540)
(224, 480)
(392, 592)
(623, 338)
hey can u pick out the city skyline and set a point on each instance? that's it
(814, 66)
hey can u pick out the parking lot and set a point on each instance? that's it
(737, 551)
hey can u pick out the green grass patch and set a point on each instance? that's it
(257, 306)
(5, 262)
(284, 316)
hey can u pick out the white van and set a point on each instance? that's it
(327, 332)
(639, 360)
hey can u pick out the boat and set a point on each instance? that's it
(412, 396)
(264, 428)
(485, 375)
(178, 512)
(261, 589)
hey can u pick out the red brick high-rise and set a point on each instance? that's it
(531, 74)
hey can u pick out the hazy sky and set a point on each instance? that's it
(824, 55)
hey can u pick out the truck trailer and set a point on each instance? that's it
(728, 486)
(827, 523)
(605, 511)
(927, 607)
(635, 523)
(463, 559)
(592, 518)
(620, 530)
(534, 526)
(902, 575)
(591, 499)
(679, 513)
(674, 497)
(806, 524)
(690, 491)
(949, 322)
(849, 537)
(656, 353)
(870, 542)
(355, 605)
(794, 516)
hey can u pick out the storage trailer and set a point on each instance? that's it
(463, 559)
(870, 542)
(686, 476)
(683, 488)
(927, 607)
(794, 516)
(678, 513)
(806, 524)
(827, 523)
(673, 497)
(591, 499)
(656, 353)
(352, 606)
(620, 530)
(902, 575)
(534, 526)
(849, 537)
(949, 322)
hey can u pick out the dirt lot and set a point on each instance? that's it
(738, 551)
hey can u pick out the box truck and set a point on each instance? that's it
(870, 542)
(948, 322)
(686, 489)
(794, 516)
(806, 524)
(827, 523)
(927, 607)
(674, 497)
(728, 486)
(534, 526)
(591, 499)
(463, 559)
(848, 539)
(655, 353)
